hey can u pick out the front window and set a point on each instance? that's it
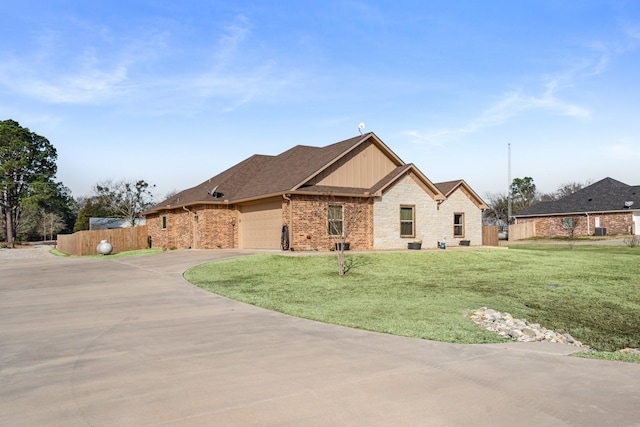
(164, 222)
(458, 225)
(335, 220)
(567, 222)
(407, 221)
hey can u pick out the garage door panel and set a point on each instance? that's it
(261, 225)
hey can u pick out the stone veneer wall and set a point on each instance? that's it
(308, 229)
(386, 216)
(552, 226)
(433, 223)
(461, 202)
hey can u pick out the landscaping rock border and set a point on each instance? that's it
(520, 329)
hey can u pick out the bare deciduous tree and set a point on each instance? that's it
(124, 199)
(343, 218)
(570, 224)
(498, 210)
(51, 224)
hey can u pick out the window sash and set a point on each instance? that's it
(458, 225)
(335, 220)
(407, 221)
(164, 222)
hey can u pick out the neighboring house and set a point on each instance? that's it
(110, 223)
(315, 192)
(605, 207)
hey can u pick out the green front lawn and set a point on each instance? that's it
(591, 292)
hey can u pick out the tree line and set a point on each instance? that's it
(35, 206)
(523, 194)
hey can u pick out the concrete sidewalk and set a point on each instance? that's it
(117, 342)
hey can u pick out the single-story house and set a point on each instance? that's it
(605, 207)
(306, 197)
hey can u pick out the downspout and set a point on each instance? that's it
(588, 225)
(284, 196)
(193, 233)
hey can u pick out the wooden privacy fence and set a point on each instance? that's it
(490, 235)
(85, 242)
(522, 231)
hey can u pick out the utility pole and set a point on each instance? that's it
(509, 184)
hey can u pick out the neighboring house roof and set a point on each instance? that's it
(292, 171)
(607, 195)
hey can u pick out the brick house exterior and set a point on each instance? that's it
(605, 207)
(358, 185)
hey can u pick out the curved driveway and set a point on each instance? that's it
(128, 342)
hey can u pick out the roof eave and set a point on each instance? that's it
(481, 204)
(573, 213)
(184, 205)
(330, 193)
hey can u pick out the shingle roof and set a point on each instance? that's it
(446, 187)
(390, 177)
(603, 196)
(261, 175)
(264, 176)
(449, 187)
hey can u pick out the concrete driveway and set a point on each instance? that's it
(128, 342)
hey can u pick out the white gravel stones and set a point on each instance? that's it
(520, 329)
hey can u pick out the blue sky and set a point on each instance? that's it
(176, 92)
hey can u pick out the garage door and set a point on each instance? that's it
(261, 225)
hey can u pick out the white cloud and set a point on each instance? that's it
(514, 103)
(84, 87)
(231, 41)
(625, 151)
(139, 69)
(633, 31)
(54, 73)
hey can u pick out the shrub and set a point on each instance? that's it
(632, 241)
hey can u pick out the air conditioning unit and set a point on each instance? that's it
(600, 231)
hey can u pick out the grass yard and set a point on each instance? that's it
(591, 292)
